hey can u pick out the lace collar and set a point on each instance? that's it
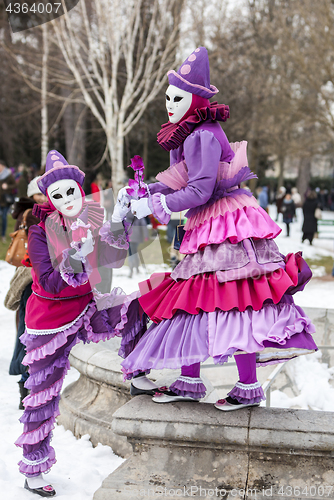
(172, 135)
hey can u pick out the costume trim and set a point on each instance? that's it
(164, 204)
(32, 331)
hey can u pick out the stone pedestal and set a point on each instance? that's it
(194, 450)
(87, 405)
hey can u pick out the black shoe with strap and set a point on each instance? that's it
(44, 491)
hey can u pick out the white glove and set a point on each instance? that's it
(85, 248)
(140, 208)
(123, 197)
(119, 212)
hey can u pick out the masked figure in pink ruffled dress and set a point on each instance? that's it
(65, 250)
(232, 292)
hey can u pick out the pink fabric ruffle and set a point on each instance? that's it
(40, 398)
(221, 207)
(247, 396)
(38, 434)
(235, 226)
(162, 297)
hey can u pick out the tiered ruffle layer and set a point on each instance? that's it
(276, 332)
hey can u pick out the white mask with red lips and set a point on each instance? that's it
(66, 197)
(178, 102)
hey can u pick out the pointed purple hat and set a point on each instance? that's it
(194, 75)
(57, 168)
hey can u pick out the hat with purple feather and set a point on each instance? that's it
(194, 75)
(57, 168)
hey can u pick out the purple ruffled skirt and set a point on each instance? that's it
(276, 333)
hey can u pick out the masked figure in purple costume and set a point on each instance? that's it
(232, 292)
(65, 250)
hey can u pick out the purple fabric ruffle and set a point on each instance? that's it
(36, 435)
(40, 376)
(43, 413)
(187, 388)
(232, 261)
(157, 209)
(44, 456)
(247, 395)
(120, 241)
(39, 398)
(67, 273)
(186, 339)
(59, 339)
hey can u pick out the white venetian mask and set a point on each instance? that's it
(66, 196)
(178, 102)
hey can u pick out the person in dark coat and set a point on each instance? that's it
(310, 224)
(289, 211)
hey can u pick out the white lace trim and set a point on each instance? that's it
(164, 204)
(190, 380)
(246, 387)
(31, 331)
(35, 462)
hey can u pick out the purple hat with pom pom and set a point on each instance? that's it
(194, 75)
(57, 168)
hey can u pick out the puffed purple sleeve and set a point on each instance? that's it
(202, 152)
(48, 277)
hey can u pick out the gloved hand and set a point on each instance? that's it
(84, 248)
(123, 197)
(140, 208)
(122, 206)
(119, 212)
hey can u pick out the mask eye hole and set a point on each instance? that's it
(167, 98)
(70, 191)
(178, 98)
(57, 196)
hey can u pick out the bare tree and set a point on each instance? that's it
(44, 90)
(118, 52)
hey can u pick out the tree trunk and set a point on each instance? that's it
(304, 176)
(78, 150)
(281, 161)
(44, 110)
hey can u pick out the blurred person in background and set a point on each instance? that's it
(22, 181)
(7, 187)
(289, 211)
(138, 234)
(262, 198)
(310, 224)
(279, 200)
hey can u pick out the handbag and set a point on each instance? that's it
(179, 233)
(19, 243)
(21, 279)
(318, 213)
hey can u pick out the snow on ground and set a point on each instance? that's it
(81, 468)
